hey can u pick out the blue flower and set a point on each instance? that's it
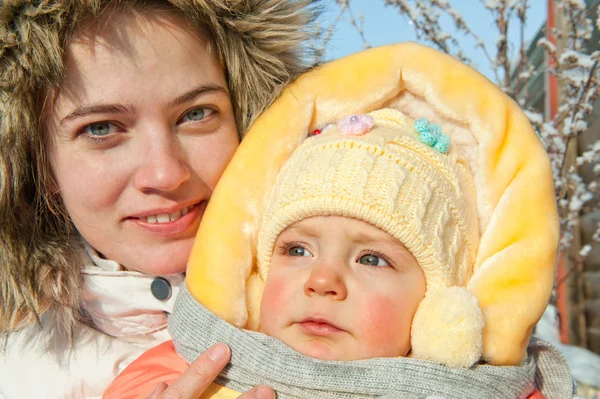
(431, 135)
(422, 125)
(442, 145)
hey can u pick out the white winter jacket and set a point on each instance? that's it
(127, 319)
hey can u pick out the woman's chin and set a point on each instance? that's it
(159, 259)
(159, 270)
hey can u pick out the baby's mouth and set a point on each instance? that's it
(319, 327)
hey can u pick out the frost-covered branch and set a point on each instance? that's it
(359, 26)
(425, 16)
(524, 70)
(322, 35)
(577, 72)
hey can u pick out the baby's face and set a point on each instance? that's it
(341, 289)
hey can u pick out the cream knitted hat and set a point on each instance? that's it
(376, 168)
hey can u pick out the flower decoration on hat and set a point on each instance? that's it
(355, 125)
(431, 135)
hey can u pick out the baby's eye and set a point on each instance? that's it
(197, 114)
(372, 260)
(298, 251)
(99, 129)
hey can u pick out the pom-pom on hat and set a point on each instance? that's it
(513, 271)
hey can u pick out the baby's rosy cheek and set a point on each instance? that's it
(383, 331)
(376, 313)
(275, 297)
(274, 306)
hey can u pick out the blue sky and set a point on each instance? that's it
(384, 25)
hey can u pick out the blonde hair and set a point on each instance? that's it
(261, 45)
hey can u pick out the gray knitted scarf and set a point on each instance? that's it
(258, 359)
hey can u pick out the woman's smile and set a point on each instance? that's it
(173, 222)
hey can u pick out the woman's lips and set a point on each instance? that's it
(179, 225)
(320, 328)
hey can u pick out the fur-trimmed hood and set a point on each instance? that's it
(261, 43)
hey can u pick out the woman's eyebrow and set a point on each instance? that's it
(89, 109)
(198, 91)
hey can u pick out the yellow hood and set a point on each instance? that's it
(514, 269)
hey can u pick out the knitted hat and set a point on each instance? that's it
(385, 176)
(513, 270)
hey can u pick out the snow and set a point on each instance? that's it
(584, 364)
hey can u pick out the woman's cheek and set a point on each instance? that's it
(213, 153)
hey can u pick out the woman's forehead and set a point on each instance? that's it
(132, 33)
(155, 57)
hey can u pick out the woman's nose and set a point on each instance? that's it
(326, 280)
(163, 166)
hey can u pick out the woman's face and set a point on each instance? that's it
(140, 131)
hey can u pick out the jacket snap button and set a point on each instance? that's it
(161, 289)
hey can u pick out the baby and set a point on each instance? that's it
(364, 219)
(370, 279)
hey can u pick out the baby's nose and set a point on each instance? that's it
(325, 280)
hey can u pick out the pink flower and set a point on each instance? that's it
(355, 125)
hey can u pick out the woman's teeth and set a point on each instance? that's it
(166, 217)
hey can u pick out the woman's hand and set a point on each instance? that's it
(194, 381)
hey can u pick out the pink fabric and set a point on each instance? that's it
(138, 380)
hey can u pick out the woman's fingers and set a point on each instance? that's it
(194, 381)
(258, 393)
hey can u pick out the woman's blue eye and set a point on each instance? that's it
(298, 251)
(99, 129)
(197, 114)
(372, 260)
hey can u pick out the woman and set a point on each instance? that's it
(117, 120)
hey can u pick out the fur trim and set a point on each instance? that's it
(261, 44)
